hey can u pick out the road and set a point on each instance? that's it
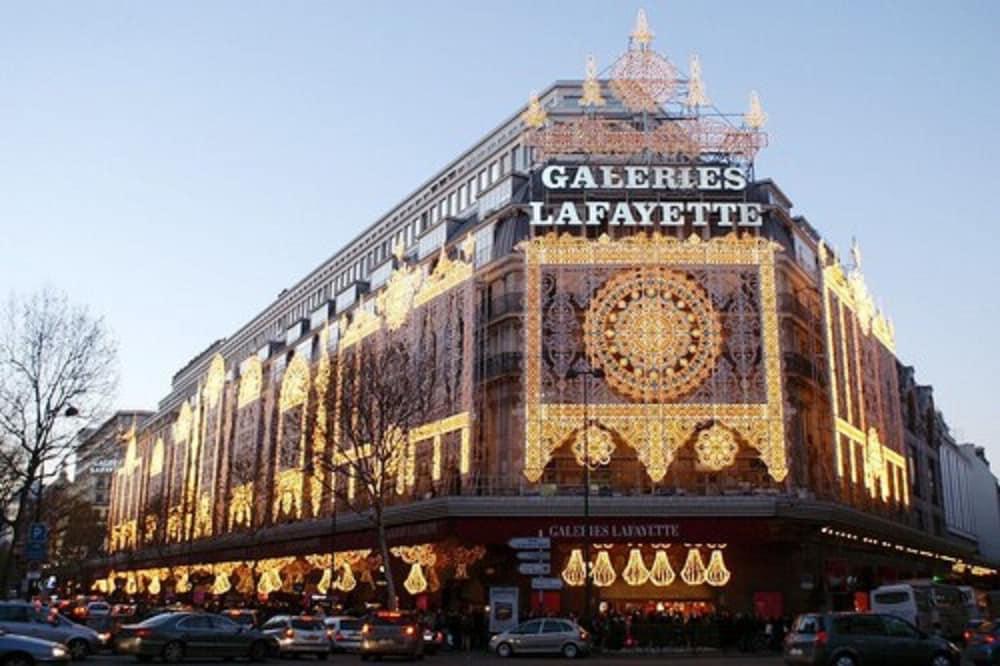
(478, 658)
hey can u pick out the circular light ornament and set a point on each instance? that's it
(716, 448)
(593, 447)
(654, 332)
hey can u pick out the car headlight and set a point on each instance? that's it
(104, 637)
(58, 651)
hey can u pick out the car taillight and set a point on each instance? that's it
(989, 639)
(143, 633)
(289, 633)
(338, 636)
(410, 630)
(438, 637)
(583, 634)
(821, 638)
(967, 635)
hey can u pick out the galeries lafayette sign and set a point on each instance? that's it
(686, 180)
(615, 531)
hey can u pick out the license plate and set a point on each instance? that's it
(795, 652)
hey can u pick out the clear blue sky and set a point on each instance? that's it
(176, 164)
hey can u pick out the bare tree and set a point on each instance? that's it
(57, 369)
(384, 389)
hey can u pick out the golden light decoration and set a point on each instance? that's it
(241, 505)
(415, 582)
(182, 426)
(288, 493)
(324, 581)
(534, 116)
(604, 574)
(661, 574)
(575, 571)
(215, 381)
(131, 585)
(635, 572)
(697, 95)
(654, 332)
(156, 459)
(111, 583)
(183, 583)
(251, 381)
(593, 447)
(203, 517)
(396, 300)
(693, 572)
(717, 575)
(464, 557)
(755, 118)
(346, 581)
(222, 582)
(641, 78)
(591, 86)
(154, 586)
(295, 384)
(270, 579)
(716, 448)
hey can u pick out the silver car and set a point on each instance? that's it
(346, 633)
(24, 619)
(26, 651)
(298, 635)
(545, 636)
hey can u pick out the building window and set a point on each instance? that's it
(494, 172)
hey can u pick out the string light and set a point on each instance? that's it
(415, 583)
(717, 575)
(693, 572)
(661, 574)
(716, 448)
(697, 96)
(575, 571)
(635, 573)
(604, 574)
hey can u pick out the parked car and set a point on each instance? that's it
(178, 636)
(391, 634)
(25, 619)
(864, 639)
(548, 636)
(298, 635)
(26, 651)
(345, 633)
(982, 646)
(931, 607)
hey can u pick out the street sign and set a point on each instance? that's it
(546, 583)
(534, 568)
(543, 555)
(530, 543)
(38, 533)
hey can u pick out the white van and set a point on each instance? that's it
(931, 607)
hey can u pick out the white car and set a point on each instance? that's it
(299, 634)
(345, 633)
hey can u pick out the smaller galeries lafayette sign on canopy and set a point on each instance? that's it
(613, 196)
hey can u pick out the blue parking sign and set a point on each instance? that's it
(38, 533)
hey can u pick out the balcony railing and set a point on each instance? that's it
(801, 366)
(790, 304)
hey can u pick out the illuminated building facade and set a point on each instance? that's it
(618, 308)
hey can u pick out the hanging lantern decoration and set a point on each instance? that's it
(183, 583)
(324, 582)
(222, 583)
(575, 571)
(604, 574)
(346, 582)
(661, 574)
(154, 585)
(693, 572)
(717, 575)
(415, 583)
(635, 573)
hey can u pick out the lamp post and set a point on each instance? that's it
(588, 581)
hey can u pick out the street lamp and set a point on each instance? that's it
(588, 581)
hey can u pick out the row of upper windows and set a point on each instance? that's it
(448, 205)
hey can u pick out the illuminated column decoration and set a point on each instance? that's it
(534, 116)
(251, 381)
(575, 571)
(693, 572)
(604, 574)
(436, 458)
(241, 506)
(591, 86)
(465, 453)
(717, 575)
(755, 118)
(290, 480)
(321, 384)
(697, 95)
(415, 582)
(156, 459)
(635, 572)
(661, 574)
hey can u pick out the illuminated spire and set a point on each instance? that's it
(591, 86)
(697, 96)
(535, 115)
(641, 34)
(755, 117)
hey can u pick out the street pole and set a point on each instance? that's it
(589, 579)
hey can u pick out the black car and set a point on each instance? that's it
(177, 636)
(864, 639)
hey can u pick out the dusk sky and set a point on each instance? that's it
(175, 165)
